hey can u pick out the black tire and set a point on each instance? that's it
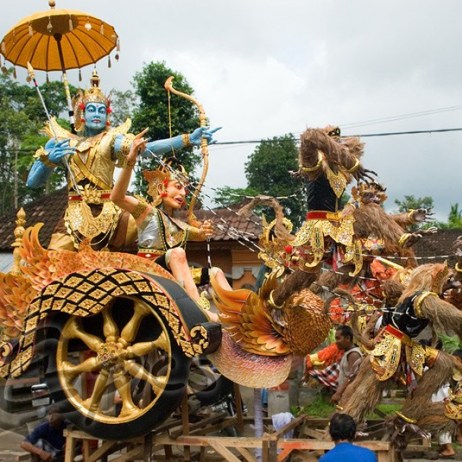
(207, 384)
(123, 354)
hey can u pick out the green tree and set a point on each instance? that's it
(22, 118)
(153, 113)
(228, 197)
(411, 202)
(268, 172)
(455, 217)
(123, 104)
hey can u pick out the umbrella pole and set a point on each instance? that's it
(65, 82)
(69, 106)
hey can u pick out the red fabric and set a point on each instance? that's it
(327, 376)
(330, 354)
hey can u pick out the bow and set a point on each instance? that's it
(204, 145)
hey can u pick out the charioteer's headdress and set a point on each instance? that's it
(158, 179)
(94, 94)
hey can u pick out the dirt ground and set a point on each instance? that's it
(9, 444)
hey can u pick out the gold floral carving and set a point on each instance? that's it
(79, 219)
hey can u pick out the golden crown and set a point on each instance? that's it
(94, 94)
(158, 179)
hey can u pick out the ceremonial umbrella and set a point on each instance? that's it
(58, 40)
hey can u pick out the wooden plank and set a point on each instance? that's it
(282, 456)
(103, 450)
(223, 451)
(147, 447)
(383, 457)
(134, 453)
(238, 403)
(273, 450)
(198, 426)
(316, 434)
(231, 441)
(246, 454)
(69, 449)
(265, 450)
(185, 425)
(290, 426)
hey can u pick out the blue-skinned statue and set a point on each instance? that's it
(90, 156)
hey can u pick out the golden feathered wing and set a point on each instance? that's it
(259, 328)
(16, 292)
(39, 267)
(42, 266)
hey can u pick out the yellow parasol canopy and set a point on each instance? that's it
(58, 39)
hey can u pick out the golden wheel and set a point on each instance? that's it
(119, 373)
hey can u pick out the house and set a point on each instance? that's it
(233, 248)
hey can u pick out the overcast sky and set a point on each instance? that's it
(264, 68)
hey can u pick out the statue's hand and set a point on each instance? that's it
(207, 228)
(203, 132)
(422, 215)
(430, 230)
(364, 174)
(59, 150)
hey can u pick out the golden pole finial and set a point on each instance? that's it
(52, 3)
(18, 234)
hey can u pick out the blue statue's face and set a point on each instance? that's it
(95, 116)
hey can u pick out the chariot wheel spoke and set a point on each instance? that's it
(122, 383)
(144, 348)
(136, 370)
(130, 330)
(92, 403)
(70, 370)
(74, 330)
(110, 328)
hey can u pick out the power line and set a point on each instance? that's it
(366, 135)
(408, 115)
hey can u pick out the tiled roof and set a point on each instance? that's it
(230, 226)
(49, 210)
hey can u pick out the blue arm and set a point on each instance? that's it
(51, 156)
(39, 173)
(163, 146)
(166, 145)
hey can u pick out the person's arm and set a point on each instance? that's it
(201, 233)
(353, 361)
(122, 143)
(182, 141)
(29, 447)
(119, 192)
(47, 159)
